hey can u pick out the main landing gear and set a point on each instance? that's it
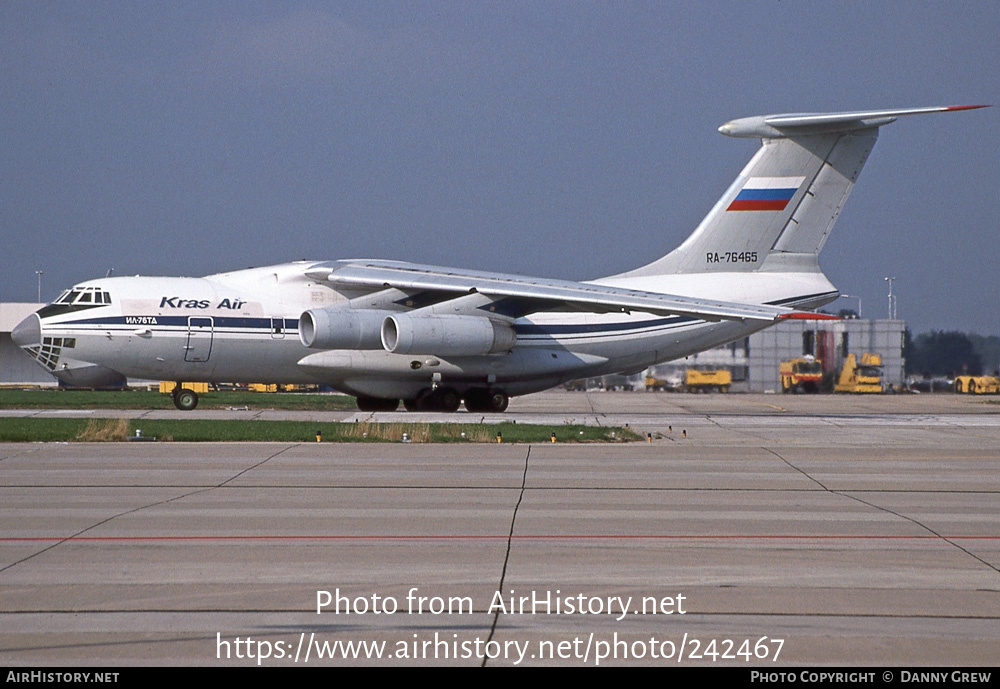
(486, 400)
(184, 399)
(439, 399)
(443, 399)
(377, 404)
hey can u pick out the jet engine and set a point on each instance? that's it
(340, 328)
(446, 335)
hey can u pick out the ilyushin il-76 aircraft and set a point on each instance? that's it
(433, 337)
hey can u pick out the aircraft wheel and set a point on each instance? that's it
(411, 405)
(377, 404)
(448, 399)
(442, 399)
(498, 400)
(476, 400)
(185, 399)
(426, 400)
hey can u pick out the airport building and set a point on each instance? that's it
(830, 342)
(755, 361)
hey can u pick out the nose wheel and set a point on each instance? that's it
(184, 399)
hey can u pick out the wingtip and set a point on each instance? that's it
(967, 107)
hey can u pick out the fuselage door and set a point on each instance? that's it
(277, 328)
(199, 339)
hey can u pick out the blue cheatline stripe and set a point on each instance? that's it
(766, 194)
(182, 321)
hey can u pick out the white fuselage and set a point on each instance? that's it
(242, 327)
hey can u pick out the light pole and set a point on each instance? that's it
(39, 274)
(892, 301)
(854, 296)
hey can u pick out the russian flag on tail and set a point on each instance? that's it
(766, 194)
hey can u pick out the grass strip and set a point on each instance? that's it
(207, 430)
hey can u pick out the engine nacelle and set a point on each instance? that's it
(446, 335)
(340, 328)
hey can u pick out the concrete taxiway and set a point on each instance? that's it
(821, 530)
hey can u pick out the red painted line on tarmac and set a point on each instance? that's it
(473, 537)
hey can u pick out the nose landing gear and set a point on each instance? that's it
(184, 399)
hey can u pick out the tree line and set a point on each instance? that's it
(940, 353)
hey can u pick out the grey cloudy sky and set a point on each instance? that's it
(563, 139)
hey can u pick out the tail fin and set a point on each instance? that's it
(778, 213)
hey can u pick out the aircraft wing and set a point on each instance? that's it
(528, 294)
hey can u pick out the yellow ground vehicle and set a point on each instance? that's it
(167, 387)
(805, 374)
(298, 387)
(863, 377)
(706, 381)
(978, 385)
(673, 381)
(656, 384)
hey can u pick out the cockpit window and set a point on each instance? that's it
(84, 295)
(76, 299)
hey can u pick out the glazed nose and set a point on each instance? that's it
(27, 333)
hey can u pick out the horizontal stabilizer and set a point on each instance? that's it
(803, 124)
